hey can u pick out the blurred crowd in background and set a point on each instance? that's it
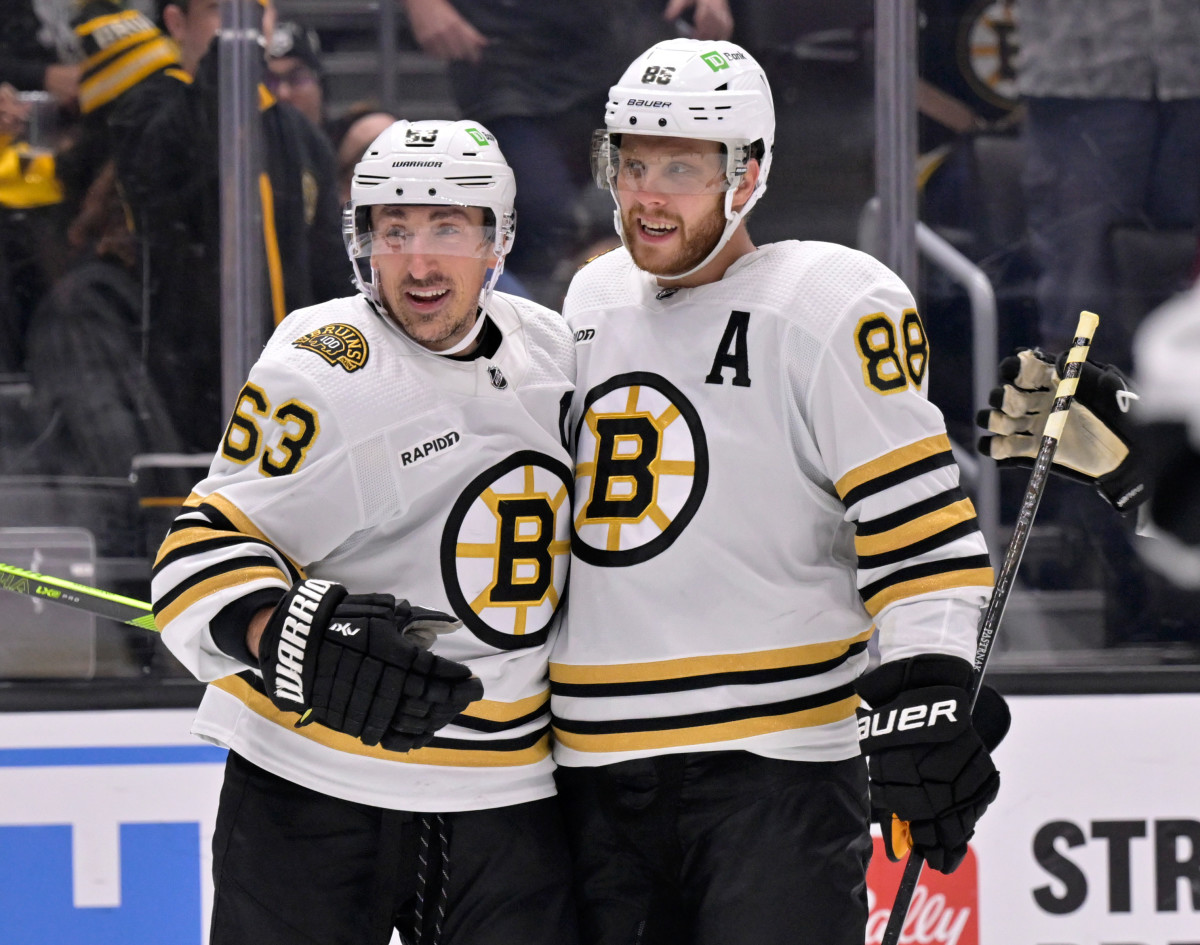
(1059, 151)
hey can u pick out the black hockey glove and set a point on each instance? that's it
(349, 662)
(928, 761)
(1095, 444)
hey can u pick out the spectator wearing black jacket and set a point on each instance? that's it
(162, 130)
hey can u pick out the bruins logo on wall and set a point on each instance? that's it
(641, 468)
(987, 51)
(339, 344)
(506, 549)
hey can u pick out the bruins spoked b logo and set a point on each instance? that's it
(641, 468)
(506, 549)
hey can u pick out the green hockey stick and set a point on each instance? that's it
(126, 610)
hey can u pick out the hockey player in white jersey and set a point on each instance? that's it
(389, 766)
(760, 486)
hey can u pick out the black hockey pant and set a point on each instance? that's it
(719, 848)
(296, 867)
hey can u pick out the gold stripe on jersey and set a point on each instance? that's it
(705, 665)
(705, 734)
(891, 463)
(494, 711)
(237, 518)
(944, 575)
(458, 757)
(214, 585)
(916, 529)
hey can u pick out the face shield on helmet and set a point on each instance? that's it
(455, 165)
(386, 230)
(688, 89)
(683, 171)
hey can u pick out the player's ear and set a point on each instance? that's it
(173, 19)
(746, 184)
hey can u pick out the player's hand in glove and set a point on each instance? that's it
(928, 761)
(356, 664)
(1095, 443)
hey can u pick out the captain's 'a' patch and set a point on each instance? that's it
(338, 344)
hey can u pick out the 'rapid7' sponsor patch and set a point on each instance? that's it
(412, 455)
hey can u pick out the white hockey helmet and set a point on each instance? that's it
(456, 163)
(688, 88)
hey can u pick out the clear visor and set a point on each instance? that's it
(443, 233)
(657, 165)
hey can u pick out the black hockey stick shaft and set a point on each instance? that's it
(135, 613)
(990, 622)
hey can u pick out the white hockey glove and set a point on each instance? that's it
(1095, 444)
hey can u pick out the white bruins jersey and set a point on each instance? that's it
(356, 456)
(760, 484)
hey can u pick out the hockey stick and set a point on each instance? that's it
(126, 610)
(1063, 395)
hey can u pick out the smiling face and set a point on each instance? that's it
(431, 263)
(671, 193)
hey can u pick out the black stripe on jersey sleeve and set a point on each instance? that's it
(926, 569)
(490, 725)
(520, 743)
(885, 523)
(897, 476)
(203, 545)
(696, 719)
(223, 567)
(684, 683)
(936, 540)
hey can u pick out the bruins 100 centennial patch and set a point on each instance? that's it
(337, 344)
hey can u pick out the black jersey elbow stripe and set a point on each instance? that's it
(689, 667)
(898, 460)
(482, 753)
(930, 542)
(867, 528)
(491, 726)
(928, 577)
(199, 544)
(897, 477)
(706, 681)
(835, 705)
(517, 743)
(225, 516)
(493, 710)
(912, 523)
(213, 580)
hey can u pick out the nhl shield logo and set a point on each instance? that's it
(499, 381)
(343, 345)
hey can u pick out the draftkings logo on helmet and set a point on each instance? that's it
(455, 163)
(687, 88)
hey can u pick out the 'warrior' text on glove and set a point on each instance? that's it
(346, 657)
